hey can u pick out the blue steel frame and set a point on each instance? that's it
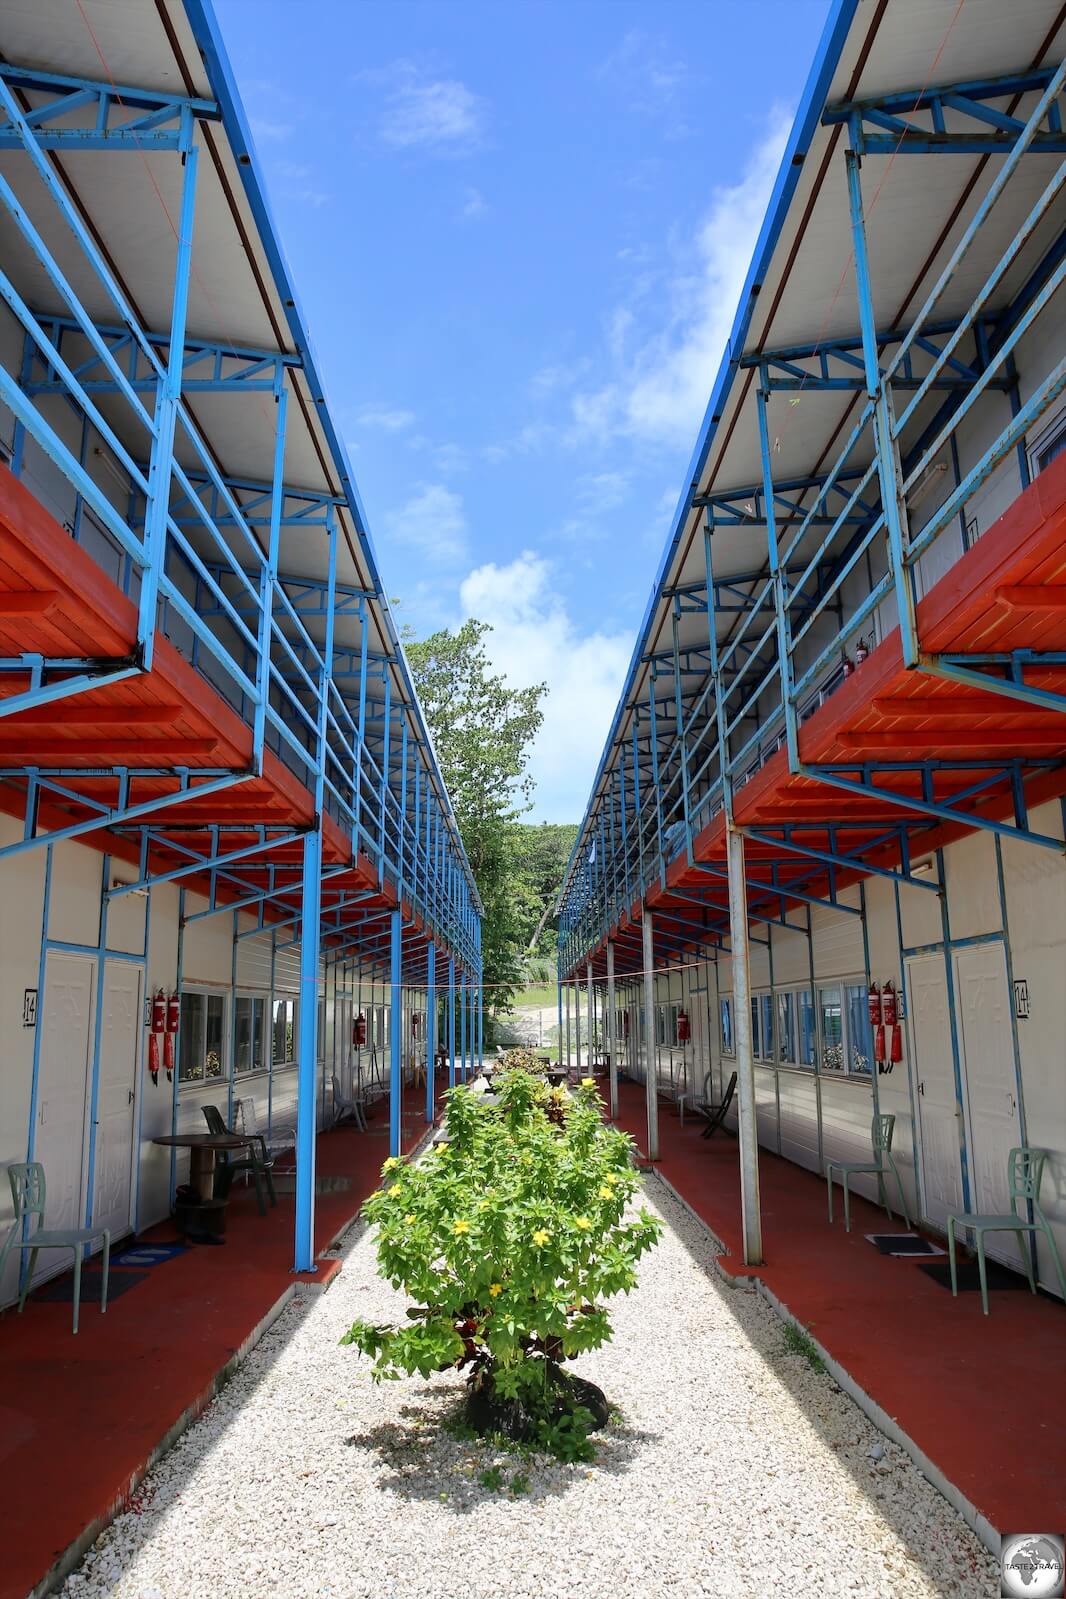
(735, 702)
(200, 552)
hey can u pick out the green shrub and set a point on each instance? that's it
(508, 1239)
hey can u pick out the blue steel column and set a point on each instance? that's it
(431, 1026)
(395, 1030)
(480, 1020)
(462, 1025)
(162, 459)
(307, 1053)
(451, 1021)
(889, 471)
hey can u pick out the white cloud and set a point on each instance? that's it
(267, 131)
(535, 639)
(600, 492)
(429, 112)
(433, 523)
(647, 79)
(660, 389)
(474, 205)
(389, 419)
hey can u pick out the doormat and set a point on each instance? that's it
(902, 1244)
(970, 1281)
(323, 1185)
(147, 1255)
(60, 1291)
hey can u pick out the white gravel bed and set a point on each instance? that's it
(734, 1469)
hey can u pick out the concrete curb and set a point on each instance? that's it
(886, 1424)
(303, 1285)
(80, 1546)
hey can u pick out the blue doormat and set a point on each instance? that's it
(60, 1290)
(147, 1254)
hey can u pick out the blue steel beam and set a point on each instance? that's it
(882, 125)
(106, 108)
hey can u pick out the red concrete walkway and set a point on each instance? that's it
(983, 1397)
(80, 1416)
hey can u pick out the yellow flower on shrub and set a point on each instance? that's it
(540, 1237)
(606, 1192)
(588, 1082)
(583, 1223)
(495, 1289)
(410, 1218)
(461, 1227)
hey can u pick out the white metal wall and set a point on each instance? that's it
(1011, 893)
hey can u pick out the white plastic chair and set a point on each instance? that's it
(343, 1106)
(27, 1192)
(280, 1138)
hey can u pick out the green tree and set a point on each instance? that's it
(483, 732)
(544, 850)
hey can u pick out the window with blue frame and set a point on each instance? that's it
(808, 1032)
(832, 1013)
(860, 1034)
(725, 1014)
(766, 1026)
(786, 1029)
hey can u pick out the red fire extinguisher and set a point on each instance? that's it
(896, 1053)
(682, 1028)
(888, 1000)
(173, 1020)
(874, 1000)
(159, 1024)
(861, 652)
(359, 1030)
(415, 1021)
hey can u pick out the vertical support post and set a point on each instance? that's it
(589, 1004)
(268, 573)
(612, 1032)
(651, 1082)
(566, 989)
(463, 1002)
(431, 1026)
(395, 1029)
(559, 1009)
(480, 1020)
(157, 508)
(451, 1021)
(784, 631)
(747, 1132)
(577, 1021)
(889, 470)
(307, 1052)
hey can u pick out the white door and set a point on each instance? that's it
(987, 1043)
(119, 1038)
(66, 1023)
(934, 1075)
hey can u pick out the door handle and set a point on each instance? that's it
(921, 1088)
(131, 1096)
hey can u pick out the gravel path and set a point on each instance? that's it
(735, 1469)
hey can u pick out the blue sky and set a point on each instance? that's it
(519, 231)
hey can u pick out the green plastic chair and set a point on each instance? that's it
(881, 1129)
(28, 1193)
(1025, 1172)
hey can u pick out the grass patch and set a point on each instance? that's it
(541, 994)
(798, 1342)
